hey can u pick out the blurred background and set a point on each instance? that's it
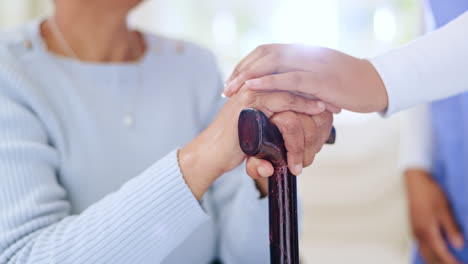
(354, 198)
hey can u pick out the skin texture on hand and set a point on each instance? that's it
(431, 218)
(313, 132)
(216, 150)
(340, 80)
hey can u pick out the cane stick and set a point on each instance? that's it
(260, 138)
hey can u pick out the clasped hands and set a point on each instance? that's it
(304, 124)
(284, 82)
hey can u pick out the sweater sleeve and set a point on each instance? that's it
(430, 68)
(143, 221)
(243, 219)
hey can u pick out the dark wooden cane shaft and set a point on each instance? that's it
(260, 138)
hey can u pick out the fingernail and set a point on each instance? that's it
(337, 111)
(263, 172)
(457, 242)
(321, 105)
(226, 88)
(230, 86)
(298, 169)
(223, 95)
(253, 83)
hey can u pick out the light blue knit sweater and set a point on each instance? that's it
(78, 186)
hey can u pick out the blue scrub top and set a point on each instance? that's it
(450, 125)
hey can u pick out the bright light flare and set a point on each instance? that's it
(384, 24)
(224, 29)
(312, 22)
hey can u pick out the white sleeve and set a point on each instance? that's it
(432, 67)
(416, 142)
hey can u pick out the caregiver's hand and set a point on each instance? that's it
(216, 150)
(431, 218)
(340, 80)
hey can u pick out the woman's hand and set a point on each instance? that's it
(306, 134)
(431, 218)
(340, 80)
(216, 150)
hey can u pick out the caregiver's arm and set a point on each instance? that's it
(416, 140)
(429, 68)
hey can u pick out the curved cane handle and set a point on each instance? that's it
(260, 138)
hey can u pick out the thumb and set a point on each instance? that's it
(258, 168)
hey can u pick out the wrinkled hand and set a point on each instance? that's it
(216, 150)
(431, 218)
(340, 80)
(304, 137)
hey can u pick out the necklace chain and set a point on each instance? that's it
(66, 47)
(128, 119)
(63, 42)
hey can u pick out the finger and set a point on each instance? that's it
(276, 102)
(330, 108)
(290, 126)
(303, 82)
(279, 58)
(427, 255)
(324, 123)
(438, 247)
(316, 133)
(262, 66)
(311, 139)
(256, 54)
(451, 229)
(258, 168)
(333, 109)
(276, 61)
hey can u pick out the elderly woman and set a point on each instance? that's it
(92, 115)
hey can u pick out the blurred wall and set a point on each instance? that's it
(14, 12)
(354, 200)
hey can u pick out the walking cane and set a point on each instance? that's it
(258, 137)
